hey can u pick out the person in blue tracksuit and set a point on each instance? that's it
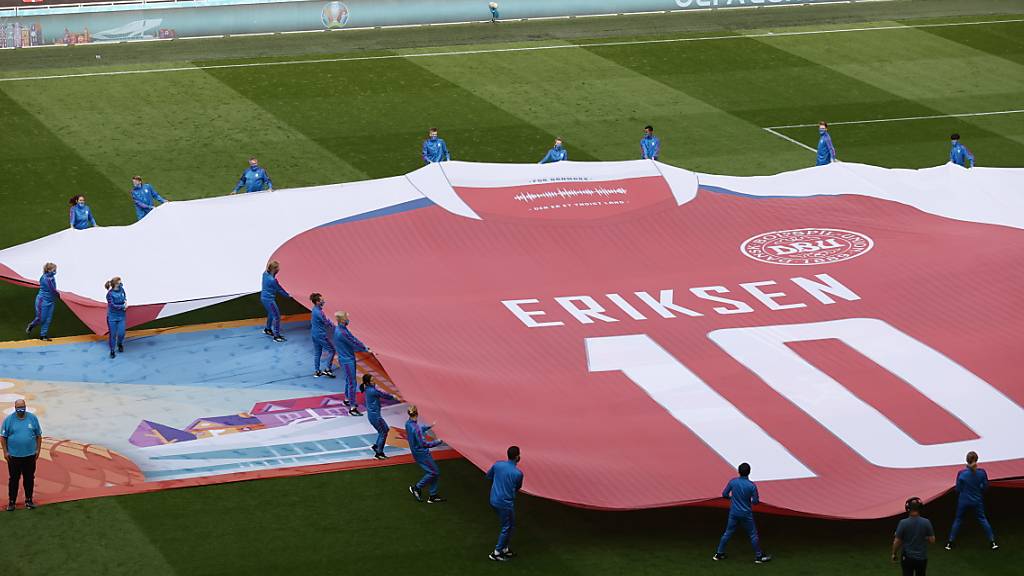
(556, 154)
(80, 214)
(373, 397)
(45, 301)
(346, 345)
(321, 329)
(435, 149)
(650, 145)
(742, 494)
(493, 7)
(971, 483)
(145, 197)
(268, 297)
(826, 151)
(506, 480)
(254, 179)
(960, 154)
(420, 448)
(117, 303)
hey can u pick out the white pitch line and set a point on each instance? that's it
(770, 128)
(788, 139)
(502, 50)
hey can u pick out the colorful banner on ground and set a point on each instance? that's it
(640, 330)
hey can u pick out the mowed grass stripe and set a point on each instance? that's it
(375, 115)
(940, 74)
(600, 107)
(768, 86)
(190, 135)
(1005, 41)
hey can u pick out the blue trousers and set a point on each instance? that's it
(979, 511)
(273, 315)
(348, 372)
(730, 527)
(140, 213)
(431, 472)
(507, 517)
(44, 315)
(319, 346)
(382, 431)
(116, 326)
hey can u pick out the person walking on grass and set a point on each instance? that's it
(971, 483)
(910, 543)
(254, 179)
(373, 396)
(21, 438)
(145, 197)
(493, 7)
(420, 448)
(268, 297)
(80, 215)
(742, 494)
(826, 151)
(506, 481)
(321, 329)
(117, 304)
(556, 154)
(960, 154)
(346, 345)
(46, 300)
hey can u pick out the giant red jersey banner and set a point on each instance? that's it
(639, 339)
(640, 330)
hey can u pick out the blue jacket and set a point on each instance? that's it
(506, 479)
(346, 344)
(145, 197)
(254, 179)
(971, 485)
(373, 397)
(650, 147)
(48, 287)
(435, 150)
(742, 494)
(826, 152)
(271, 288)
(960, 155)
(116, 302)
(418, 443)
(81, 217)
(556, 154)
(320, 327)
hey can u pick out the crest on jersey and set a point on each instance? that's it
(806, 246)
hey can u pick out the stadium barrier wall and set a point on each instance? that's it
(128, 21)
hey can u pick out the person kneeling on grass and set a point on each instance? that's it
(373, 397)
(506, 480)
(420, 448)
(743, 496)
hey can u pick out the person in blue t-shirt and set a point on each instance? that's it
(373, 397)
(269, 290)
(960, 154)
(21, 437)
(117, 305)
(826, 151)
(971, 483)
(506, 480)
(254, 179)
(420, 448)
(46, 300)
(742, 494)
(80, 215)
(435, 149)
(144, 197)
(650, 145)
(556, 154)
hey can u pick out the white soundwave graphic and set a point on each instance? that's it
(563, 193)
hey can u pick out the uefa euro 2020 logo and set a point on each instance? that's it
(334, 15)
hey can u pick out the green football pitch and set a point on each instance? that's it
(731, 91)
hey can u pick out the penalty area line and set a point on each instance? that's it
(903, 119)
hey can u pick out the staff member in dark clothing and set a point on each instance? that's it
(913, 535)
(21, 437)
